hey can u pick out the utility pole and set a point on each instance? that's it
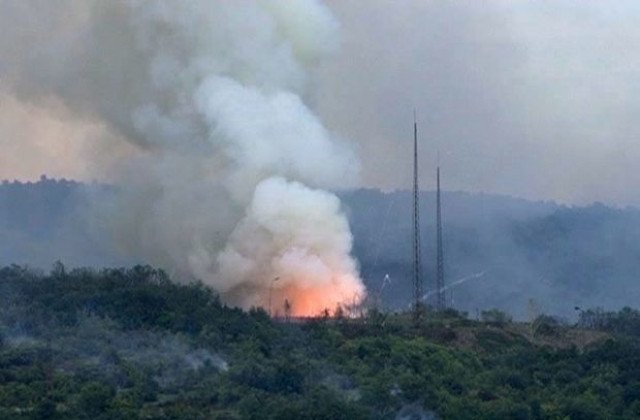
(417, 266)
(441, 303)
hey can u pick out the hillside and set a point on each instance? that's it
(520, 256)
(501, 252)
(131, 344)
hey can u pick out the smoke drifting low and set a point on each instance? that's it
(225, 178)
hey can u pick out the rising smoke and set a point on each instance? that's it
(221, 166)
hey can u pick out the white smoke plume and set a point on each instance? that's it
(226, 181)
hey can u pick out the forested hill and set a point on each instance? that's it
(46, 221)
(519, 256)
(133, 344)
(516, 255)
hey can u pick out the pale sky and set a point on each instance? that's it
(537, 99)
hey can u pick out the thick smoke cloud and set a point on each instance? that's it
(226, 165)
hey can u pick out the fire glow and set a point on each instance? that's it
(293, 245)
(295, 300)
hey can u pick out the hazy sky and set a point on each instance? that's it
(536, 99)
(532, 98)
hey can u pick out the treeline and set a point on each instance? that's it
(132, 344)
(625, 321)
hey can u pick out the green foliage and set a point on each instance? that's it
(545, 325)
(130, 344)
(626, 321)
(495, 317)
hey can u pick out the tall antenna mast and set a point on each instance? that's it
(440, 295)
(417, 280)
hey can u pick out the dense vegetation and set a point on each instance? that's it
(131, 344)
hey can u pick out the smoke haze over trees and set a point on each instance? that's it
(520, 256)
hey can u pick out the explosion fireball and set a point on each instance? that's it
(299, 236)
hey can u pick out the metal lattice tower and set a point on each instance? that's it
(440, 292)
(417, 266)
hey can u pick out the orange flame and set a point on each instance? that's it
(296, 298)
